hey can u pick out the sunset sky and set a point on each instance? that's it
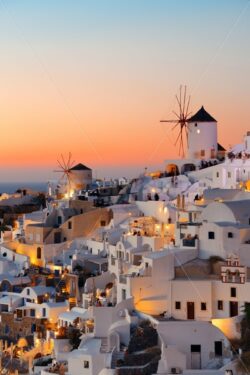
(95, 77)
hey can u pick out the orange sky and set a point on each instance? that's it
(82, 81)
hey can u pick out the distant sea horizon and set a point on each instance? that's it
(12, 187)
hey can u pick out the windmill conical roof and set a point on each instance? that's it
(80, 167)
(201, 116)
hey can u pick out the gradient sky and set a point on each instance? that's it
(95, 77)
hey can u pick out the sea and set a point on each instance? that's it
(12, 187)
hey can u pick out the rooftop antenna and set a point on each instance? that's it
(181, 121)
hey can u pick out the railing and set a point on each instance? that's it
(188, 242)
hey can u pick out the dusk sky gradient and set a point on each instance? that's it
(96, 77)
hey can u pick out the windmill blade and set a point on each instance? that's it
(177, 139)
(65, 166)
(184, 98)
(175, 125)
(186, 130)
(181, 146)
(178, 116)
(178, 101)
(69, 158)
(187, 106)
(60, 164)
(168, 121)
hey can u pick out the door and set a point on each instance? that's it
(195, 356)
(57, 237)
(190, 310)
(233, 308)
(218, 348)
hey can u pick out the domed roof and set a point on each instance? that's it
(202, 116)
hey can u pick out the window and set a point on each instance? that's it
(38, 253)
(203, 306)
(202, 152)
(28, 292)
(220, 305)
(217, 174)
(146, 264)
(229, 174)
(44, 311)
(230, 235)
(86, 364)
(69, 225)
(32, 312)
(211, 236)
(177, 305)
(233, 292)
(103, 223)
(59, 220)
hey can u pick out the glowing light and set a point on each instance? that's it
(198, 131)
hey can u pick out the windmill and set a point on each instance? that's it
(65, 166)
(181, 121)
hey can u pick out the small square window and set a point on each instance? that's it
(86, 364)
(230, 235)
(233, 292)
(211, 235)
(177, 305)
(203, 306)
(220, 305)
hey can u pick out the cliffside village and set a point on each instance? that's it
(148, 276)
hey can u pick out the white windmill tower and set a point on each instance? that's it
(202, 136)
